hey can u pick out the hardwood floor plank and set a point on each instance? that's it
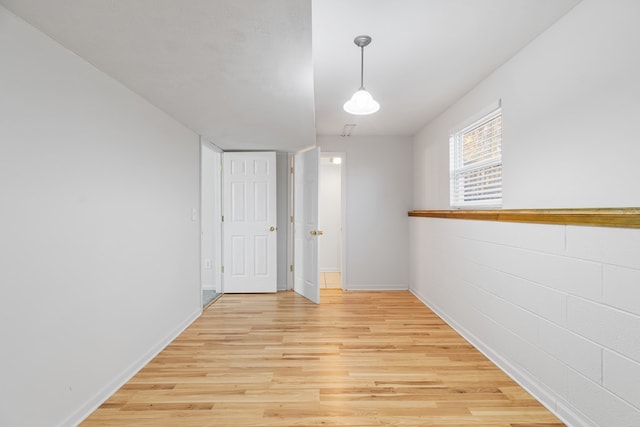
(358, 359)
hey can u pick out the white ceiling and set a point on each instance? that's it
(424, 54)
(241, 73)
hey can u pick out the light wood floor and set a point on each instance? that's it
(330, 279)
(357, 359)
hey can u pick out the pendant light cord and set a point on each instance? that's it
(361, 67)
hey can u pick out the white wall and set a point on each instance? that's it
(330, 215)
(98, 250)
(570, 109)
(555, 306)
(378, 197)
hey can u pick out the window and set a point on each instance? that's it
(476, 163)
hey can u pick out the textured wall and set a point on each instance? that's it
(557, 307)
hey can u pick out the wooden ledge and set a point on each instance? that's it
(604, 217)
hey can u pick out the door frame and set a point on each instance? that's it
(343, 214)
(290, 208)
(216, 232)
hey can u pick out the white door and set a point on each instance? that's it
(249, 222)
(305, 230)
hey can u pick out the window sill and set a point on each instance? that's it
(602, 217)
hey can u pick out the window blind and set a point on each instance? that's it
(476, 163)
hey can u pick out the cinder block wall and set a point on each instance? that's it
(557, 307)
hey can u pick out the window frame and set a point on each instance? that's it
(456, 144)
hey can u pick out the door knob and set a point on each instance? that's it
(272, 228)
(313, 232)
(320, 233)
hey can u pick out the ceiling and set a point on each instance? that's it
(424, 55)
(242, 73)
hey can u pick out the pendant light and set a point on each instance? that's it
(361, 103)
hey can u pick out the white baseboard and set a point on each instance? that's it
(92, 404)
(376, 287)
(552, 401)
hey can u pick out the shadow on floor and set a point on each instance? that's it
(208, 296)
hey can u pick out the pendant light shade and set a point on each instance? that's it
(361, 103)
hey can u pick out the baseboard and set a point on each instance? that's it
(376, 287)
(573, 417)
(92, 404)
(552, 401)
(208, 287)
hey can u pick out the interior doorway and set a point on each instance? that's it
(331, 208)
(210, 222)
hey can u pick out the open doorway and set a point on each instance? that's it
(331, 219)
(210, 222)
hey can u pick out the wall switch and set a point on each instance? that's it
(194, 214)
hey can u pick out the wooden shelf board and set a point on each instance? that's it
(601, 217)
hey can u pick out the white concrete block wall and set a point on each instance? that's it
(620, 287)
(557, 307)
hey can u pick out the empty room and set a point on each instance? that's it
(319, 212)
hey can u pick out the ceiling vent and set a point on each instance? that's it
(347, 129)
